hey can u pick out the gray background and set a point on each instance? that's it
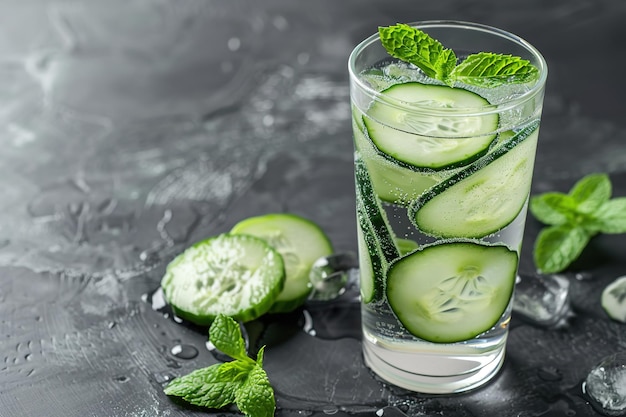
(131, 129)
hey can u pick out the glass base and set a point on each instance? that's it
(431, 372)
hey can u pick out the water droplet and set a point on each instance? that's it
(308, 323)
(162, 378)
(183, 351)
(156, 300)
(330, 410)
(391, 411)
(150, 257)
(234, 44)
(171, 363)
(582, 276)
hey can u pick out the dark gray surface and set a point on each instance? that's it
(130, 129)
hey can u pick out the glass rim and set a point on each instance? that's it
(536, 88)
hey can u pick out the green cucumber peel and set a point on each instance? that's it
(242, 382)
(483, 69)
(573, 218)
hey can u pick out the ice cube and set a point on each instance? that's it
(330, 275)
(614, 299)
(605, 385)
(542, 299)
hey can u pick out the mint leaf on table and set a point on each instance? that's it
(610, 217)
(225, 335)
(558, 246)
(573, 219)
(204, 387)
(256, 396)
(591, 192)
(242, 382)
(416, 47)
(553, 208)
(487, 69)
(483, 69)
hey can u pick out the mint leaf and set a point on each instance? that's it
(225, 335)
(553, 208)
(558, 246)
(236, 371)
(205, 388)
(609, 218)
(241, 381)
(412, 45)
(259, 356)
(591, 192)
(255, 397)
(487, 69)
(484, 69)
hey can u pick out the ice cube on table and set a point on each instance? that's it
(614, 299)
(330, 276)
(605, 385)
(542, 300)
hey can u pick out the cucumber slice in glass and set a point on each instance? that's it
(452, 292)
(391, 182)
(430, 141)
(236, 275)
(300, 242)
(371, 263)
(483, 197)
(405, 246)
(614, 299)
(373, 212)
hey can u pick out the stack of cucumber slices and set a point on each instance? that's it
(261, 266)
(459, 191)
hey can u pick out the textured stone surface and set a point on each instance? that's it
(131, 129)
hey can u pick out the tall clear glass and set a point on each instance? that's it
(443, 176)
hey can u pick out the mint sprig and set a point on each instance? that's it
(242, 382)
(573, 219)
(484, 69)
(416, 47)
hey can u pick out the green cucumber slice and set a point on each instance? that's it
(613, 299)
(406, 246)
(236, 275)
(485, 196)
(372, 210)
(300, 242)
(428, 141)
(391, 182)
(452, 292)
(372, 266)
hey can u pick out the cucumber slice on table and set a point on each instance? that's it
(300, 242)
(236, 275)
(614, 299)
(483, 197)
(452, 292)
(391, 182)
(429, 141)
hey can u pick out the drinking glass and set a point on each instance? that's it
(443, 175)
